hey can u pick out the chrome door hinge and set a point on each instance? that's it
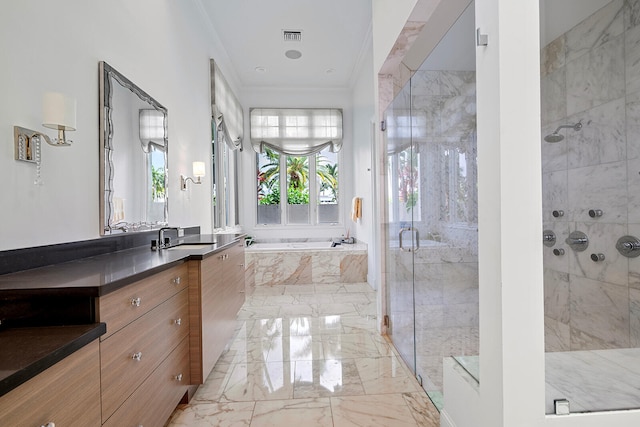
(383, 125)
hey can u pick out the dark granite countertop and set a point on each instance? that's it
(26, 352)
(102, 274)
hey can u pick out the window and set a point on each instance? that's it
(304, 143)
(309, 201)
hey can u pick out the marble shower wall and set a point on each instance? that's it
(592, 74)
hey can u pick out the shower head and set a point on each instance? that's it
(556, 137)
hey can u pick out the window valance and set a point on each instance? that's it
(296, 131)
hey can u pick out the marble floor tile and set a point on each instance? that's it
(327, 378)
(232, 414)
(302, 412)
(388, 410)
(385, 375)
(309, 355)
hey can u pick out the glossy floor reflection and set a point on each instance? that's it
(309, 355)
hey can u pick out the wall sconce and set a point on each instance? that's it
(198, 172)
(58, 112)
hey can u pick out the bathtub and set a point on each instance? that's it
(292, 246)
(293, 263)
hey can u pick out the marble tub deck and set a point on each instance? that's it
(309, 355)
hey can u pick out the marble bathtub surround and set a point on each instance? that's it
(592, 74)
(308, 368)
(345, 263)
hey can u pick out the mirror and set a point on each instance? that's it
(133, 156)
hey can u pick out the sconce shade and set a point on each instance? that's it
(198, 169)
(58, 111)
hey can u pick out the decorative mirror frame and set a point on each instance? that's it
(106, 73)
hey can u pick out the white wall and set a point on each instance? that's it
(295, 98)
(363, 165)
(161, 45)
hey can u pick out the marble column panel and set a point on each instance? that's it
(554, 195)
(599, 314)
(602, 138)
(632, 60)
(633, 182)
(633, 125)
(553, 55)
(557, 335)
(597, 76)
(556, 295)
(634, 317)
(601, 186)
(595, 31)
(602, 239)
(553, 96)
(631, 13)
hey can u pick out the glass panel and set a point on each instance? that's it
(399, 243)
(327, 185)
(432, 252)
(268, 175)
(298, 190)
(590, 162)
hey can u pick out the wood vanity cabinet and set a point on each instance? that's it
(144, 356)
(216, 293)
(67, 394)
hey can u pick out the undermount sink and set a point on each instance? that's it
(190, 247)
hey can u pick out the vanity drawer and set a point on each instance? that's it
(67, 394)
(123, 306)
(154, 401)
(131, 354)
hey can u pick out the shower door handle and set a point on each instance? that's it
(402, 230)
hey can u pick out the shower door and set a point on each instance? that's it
(432, 222)
(400, 234)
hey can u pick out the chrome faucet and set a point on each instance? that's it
(165, 242)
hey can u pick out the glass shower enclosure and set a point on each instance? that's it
(431, 216)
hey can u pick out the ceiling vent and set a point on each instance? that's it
(292, 35)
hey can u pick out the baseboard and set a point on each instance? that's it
(445, 420)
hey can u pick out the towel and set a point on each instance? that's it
(356, 209)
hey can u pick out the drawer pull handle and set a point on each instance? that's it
(137, 356)
(49, 425)
(178, 377)
(178, 321)
(176, 281)
(136, 302)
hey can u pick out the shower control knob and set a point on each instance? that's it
(578, 241)
(558, 252)
(557, 214)
(628, 246)
(595, 213)
(597, 257)
(548, 238)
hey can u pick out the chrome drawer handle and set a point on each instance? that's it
(137, 356)
(178, 377)
(136, 302)
(177, 322)
(176, 281)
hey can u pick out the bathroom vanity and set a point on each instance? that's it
(145, 327)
